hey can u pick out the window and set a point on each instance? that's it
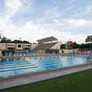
(19, 46)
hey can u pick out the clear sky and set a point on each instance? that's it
(35, 19)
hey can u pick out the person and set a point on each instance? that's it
(62, 51)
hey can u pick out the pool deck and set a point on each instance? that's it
(40, 76)
(37, 55)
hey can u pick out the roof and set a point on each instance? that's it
(47, 39)
(45, 46)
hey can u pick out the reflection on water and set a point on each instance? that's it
(50, 63)
(16, 66)
(88, 59)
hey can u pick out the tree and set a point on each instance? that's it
(88, 39)
(17, 41)
(75, 45)
(25, 41)
(62, 46)
(5, 40)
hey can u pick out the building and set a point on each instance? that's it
(89, 38)
(47, 45)
(15, 46)
(47, 40)
(2, 46)
(69, 45)
(11, 48)
(33, 45)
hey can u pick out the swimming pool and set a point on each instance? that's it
(24, 65)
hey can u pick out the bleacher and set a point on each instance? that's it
(45, 46)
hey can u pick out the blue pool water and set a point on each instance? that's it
(17, 66)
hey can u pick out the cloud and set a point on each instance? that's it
(48, 25)
(66, 24)
(71, 2)
(51, 13)
(12, 6)
(89, 9)
(77, 22)
(68, 8)
(83, 11)
(32, 31)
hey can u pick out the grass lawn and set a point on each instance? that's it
(77, 82)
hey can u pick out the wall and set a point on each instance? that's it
(19, 46)
(57, 45)
(3, 46)
(69, 50)
(33, 45)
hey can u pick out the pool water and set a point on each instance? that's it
(23, 65)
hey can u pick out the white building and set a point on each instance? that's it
(15, 46)
(48, 45)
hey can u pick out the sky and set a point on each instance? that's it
(35, 19)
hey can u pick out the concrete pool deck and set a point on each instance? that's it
(35, 77)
